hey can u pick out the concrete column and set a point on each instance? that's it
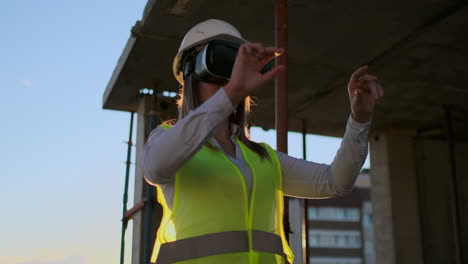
(295, 219)
(143, 129)
(436, 198)
(395, 199)
(140, 186)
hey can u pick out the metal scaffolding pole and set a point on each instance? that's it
(125, 196)
(281, 92)
(154, 121)
(305, 206)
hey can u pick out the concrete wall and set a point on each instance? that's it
(412, 199)
(436, 195)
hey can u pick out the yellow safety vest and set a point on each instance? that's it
(212, 221)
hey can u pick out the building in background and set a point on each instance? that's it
(341, 229)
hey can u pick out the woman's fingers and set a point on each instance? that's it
(380, 90)
(273, 52)
(362, 88)
(247, 48)
(271, 73)
(257, 56)
(371, 87)
(375, 93)
(255, 50)
(366, 83)
(358, 73)
(260, 52)
(368, 77)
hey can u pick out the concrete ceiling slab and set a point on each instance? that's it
(419, 50)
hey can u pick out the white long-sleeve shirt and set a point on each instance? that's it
(166, 151)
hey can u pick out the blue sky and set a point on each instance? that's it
(62, 159)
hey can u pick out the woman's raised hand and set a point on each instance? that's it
(363, 90)
(246, 75)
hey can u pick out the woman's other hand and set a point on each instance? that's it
(246, 75)
(364, 90)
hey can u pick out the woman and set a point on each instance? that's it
(221, 192)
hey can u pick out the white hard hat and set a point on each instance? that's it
(203, 33)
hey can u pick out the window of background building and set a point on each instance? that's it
(334, 238)
(368, 232)
(335, 260)
(334, 213)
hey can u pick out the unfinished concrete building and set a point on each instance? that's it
(418, 141)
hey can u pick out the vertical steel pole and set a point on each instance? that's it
(125, 196)
(454, 188)
(282, 79)
(281, 88)
(304, 140)
(305, 206)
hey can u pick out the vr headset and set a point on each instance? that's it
(214, 62)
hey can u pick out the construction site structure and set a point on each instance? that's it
(418, 139)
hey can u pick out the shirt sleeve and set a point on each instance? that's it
(308, 179)
(166, 151)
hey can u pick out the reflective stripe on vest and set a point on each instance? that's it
(219, 243)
